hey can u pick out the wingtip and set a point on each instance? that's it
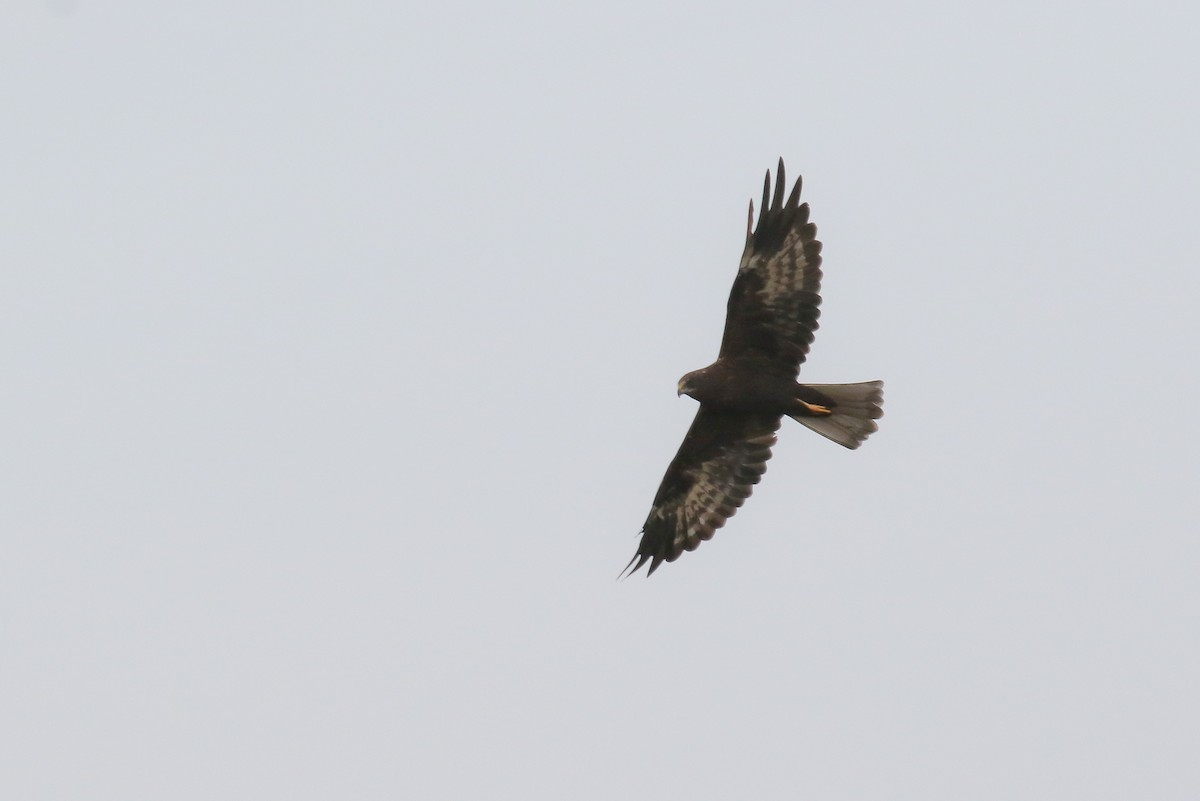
(627, 572)
(793, 201)
(777, 203)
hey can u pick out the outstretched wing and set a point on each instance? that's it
(722, 457)
(773, 307)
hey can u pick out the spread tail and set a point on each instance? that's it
(855, 408)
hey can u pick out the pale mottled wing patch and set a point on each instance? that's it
(774, 304)
(721, 459)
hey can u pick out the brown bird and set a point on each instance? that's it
(744, 395)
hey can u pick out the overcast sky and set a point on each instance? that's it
(339, 346)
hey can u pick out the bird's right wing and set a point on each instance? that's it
(721, 459)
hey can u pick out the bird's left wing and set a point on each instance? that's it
(773, 306)
(721, 459)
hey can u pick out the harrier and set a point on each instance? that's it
(744, 395)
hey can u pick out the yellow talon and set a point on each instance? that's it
(816, 408)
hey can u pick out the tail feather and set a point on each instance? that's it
(856, 407)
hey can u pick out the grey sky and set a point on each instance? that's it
(339, 348)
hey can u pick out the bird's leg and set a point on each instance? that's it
(816, 408)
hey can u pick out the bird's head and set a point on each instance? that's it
(687, 384)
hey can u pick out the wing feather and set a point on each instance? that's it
(774, 304)
(721, 459)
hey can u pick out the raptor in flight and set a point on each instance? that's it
(745, 394)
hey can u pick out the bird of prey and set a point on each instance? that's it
(744, 395)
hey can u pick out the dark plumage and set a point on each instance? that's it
(770, 322)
